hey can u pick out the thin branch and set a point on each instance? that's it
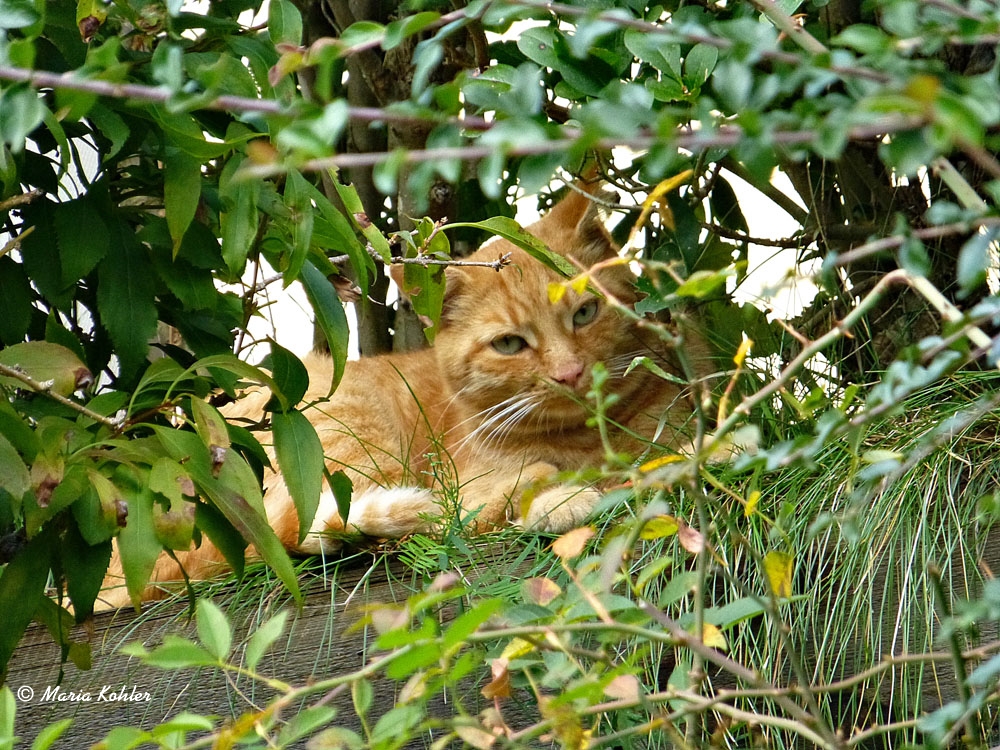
(15, 242)
(20, 200)
(425, 260)
(795, 241)
(928, 233)
(46, 390)
(41, 79)
(723, 137)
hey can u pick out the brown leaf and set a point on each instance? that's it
(690, 539)
(541, 591)
(89, 27)
(499, 686)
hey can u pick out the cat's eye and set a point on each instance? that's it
(509, 344)
(585, 313)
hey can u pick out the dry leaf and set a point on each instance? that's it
(541, 591)
(572, 543)
(624, 687)
(499, 686)
(478, 738)
(690, 539)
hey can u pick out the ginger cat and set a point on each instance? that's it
(499, 403)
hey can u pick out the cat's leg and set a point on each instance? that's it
(529, 498)
(388, 512)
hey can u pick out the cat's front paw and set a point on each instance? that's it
(561, 508)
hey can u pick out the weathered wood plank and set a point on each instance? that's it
(322, 641)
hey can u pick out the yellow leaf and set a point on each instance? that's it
(579, 284)
(572, 542)
(557, 290)
(713, 637)
(656, 463)
(659, 527)
(751, 505)
(667, 217)
(655, 195)
(741, 353)
(517, 647)
(778, 566)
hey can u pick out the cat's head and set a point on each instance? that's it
(503, 341)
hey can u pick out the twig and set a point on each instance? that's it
(46, 390)
(928, 233)
(20, 200)
(15, 242)
(788, 26)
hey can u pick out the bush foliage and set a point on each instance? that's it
(163, 164)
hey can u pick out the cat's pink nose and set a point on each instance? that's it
(568, 373)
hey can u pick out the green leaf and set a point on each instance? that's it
(304, 723)
(397, 723)
(175, 653)
(407, 26)
(126, 299)
(49, 734)
(14, 475)
(264, 637)
(22, 586)
(239, 217)
(511, 231)
(138, 546)
(214, 630)
(468, 622)
(8, 711)
(284, 23)
(333, 230)
(363, 33)
(232, 499)
(300, 458)
(84, 566)
(111, 126)
(301, 214)
(699, 64)
(356, 210)
(330, 317)
(49, 364)
(974, 261)
(16, 14)
(224, 536)
(83, 238)
(21, 111)
(342, 488)
(15, 301)
(290, 375)
(362, 696)
(181, 191)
